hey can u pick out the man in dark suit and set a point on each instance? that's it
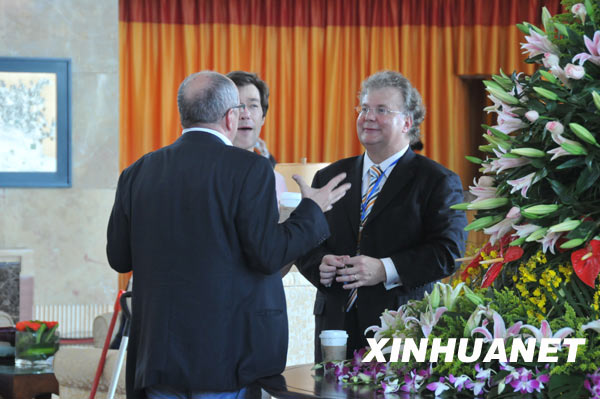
(394, 234)
(197, 222)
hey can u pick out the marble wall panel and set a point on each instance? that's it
(9, 288)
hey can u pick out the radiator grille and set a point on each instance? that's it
(75, 321)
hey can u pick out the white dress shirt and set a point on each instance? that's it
(211, 131)
(392, 277)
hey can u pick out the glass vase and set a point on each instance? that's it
(35, 348)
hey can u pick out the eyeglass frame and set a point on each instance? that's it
(362, 110)
(241, 106)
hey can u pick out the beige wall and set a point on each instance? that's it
(65, 228)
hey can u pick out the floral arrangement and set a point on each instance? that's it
(36, 340)
(538, 199)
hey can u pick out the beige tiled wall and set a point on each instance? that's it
(300, 297)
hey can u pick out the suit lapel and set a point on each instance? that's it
(401, 175)
(353, 197)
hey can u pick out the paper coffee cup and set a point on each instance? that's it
(290, 199)
(333, 345)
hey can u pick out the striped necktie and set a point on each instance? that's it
(368, 199)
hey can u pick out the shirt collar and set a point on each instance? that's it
(211, 131)
(367, 162)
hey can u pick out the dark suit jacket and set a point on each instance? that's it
(197, 222)
(410, 222)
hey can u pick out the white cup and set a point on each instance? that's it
(333, 345)
(290, 199)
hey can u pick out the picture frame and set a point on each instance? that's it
(35, 122)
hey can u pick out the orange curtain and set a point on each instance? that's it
(313, 54)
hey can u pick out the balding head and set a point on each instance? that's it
(204, 98)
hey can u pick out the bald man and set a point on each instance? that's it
(197, 222)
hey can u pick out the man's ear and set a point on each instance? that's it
(231, 120)
(408, 122)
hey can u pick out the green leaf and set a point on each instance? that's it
(571, 163)
(585, 229)
(563, 192)
(549, 77)
(586, 179)
(565, 386)
(589, 9)
(475, 160)
(561, 29)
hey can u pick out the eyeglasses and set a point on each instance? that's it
(379, 111)
(242, 107)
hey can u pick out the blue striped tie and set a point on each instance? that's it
(368, 199)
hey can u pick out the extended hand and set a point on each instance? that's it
(327, 195)
(364, 271)
(328, 267)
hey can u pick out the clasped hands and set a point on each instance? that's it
(354, 271)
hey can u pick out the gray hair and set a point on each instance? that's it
(208, 104)
(413, 103)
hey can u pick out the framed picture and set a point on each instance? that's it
(35, 122)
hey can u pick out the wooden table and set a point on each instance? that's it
(300, 382)
(27, 383)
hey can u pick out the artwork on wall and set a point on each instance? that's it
(35, 122)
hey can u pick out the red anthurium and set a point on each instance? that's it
(506, 255)
(50, 324)
(586, 262)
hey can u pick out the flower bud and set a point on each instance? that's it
(575, 242)
(532, 116)
(489, 203)
(536, 235)
(434, 298)
(549, 94)
(583, 133)
(473, 297)
(463, 206)
(540, 209)
(574, 148)
(503, 96)
(596, 98)
(555, 127)
(579, 11)
(574, 71)
(528, 152)
(567, 225)
(483, 222)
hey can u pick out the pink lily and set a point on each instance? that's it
(593, 47)
(525, 229)
(546, 332)
(592, 325)
(550, 60)
(501, 228)
(523, 184)
(549, 240)
(390, 319)
(428, 320)
(508, 123)
(575, 72)
(498, 105)
(483, 189)
(500, 330)
(538, 44)
(556, 129)
(578, 10)
(502, 163)
(532, 116)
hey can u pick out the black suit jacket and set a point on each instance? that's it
(197, 222)
(410, 222)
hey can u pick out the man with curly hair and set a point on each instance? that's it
(394, 234)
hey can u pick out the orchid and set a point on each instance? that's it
(593, 47)
(438, 387)
(500, 330)
(412, 382)
(546, 332)
(592, 384)
(538, 44)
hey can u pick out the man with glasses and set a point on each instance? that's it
(394, 234)
(197, 223)
(254, 93)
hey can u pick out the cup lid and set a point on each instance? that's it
(333, 334)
